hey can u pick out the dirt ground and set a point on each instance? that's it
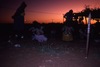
(53, 53)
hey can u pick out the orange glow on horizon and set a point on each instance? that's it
(44, 11)
(47, 17)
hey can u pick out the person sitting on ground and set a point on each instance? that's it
(38, 34)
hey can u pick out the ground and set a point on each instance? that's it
(53, 53)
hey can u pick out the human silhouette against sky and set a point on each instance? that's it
(18, 18)
(69, 16)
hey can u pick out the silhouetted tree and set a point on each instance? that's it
(86, 11)
(95, 13)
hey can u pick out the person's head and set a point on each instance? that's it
(71, 11)
(23, 5)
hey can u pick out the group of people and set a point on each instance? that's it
(70, 29)
(77, 27)
(18, 17)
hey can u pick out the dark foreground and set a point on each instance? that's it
(53, 53)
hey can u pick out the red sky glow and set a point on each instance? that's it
(43, 10)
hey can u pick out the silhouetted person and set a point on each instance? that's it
(69, 16)
(76, 28)
(67, 32)
(19, 19)
(82, 30)
(38, 33)
(97, 29)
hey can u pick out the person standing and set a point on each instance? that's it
(18, 18)
(69, 17)
(97, 30)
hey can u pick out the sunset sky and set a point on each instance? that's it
(43, 10)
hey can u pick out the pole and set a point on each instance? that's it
(88, 34)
